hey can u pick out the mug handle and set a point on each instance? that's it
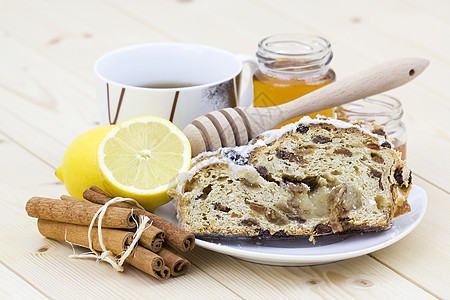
(245, 94)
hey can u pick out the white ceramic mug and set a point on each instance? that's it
(175, 81)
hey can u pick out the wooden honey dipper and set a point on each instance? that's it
(231, 127)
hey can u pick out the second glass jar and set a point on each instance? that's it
(290, 66)
(381, 109)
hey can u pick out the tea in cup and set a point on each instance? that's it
(175, 81)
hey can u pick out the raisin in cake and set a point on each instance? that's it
(312, 177)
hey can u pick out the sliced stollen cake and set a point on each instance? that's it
(312, 177)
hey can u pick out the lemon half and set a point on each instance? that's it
(142, 158)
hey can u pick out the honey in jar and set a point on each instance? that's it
(290, 66)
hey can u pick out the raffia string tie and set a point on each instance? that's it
(107, 255)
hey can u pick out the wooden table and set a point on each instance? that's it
(47, 98)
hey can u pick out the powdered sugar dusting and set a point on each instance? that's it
(214, 159)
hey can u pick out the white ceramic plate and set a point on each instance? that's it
(327, 249)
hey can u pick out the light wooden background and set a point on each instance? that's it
(47, 98)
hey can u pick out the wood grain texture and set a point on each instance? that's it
(358, 278)
(426, 248)
(14, 287)
(47, 98)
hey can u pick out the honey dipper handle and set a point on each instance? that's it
(372, 81)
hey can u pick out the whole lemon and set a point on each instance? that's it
(79, 169)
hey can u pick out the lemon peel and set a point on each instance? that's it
(79, 169)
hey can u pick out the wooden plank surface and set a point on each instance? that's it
(47, 98)
(14, 287)
(45, 263)
(358, 278)
(422, 256)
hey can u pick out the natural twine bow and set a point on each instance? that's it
(107, 255)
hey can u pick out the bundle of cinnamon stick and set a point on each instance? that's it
(68, 219)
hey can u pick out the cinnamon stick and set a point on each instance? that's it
(177, 264)
(152, 238)
(142, 260)
(98, 196)
(114, 240)
(175, 236)
(78, 212)
(71, 198)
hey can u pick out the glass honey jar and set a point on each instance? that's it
(382, 110)
(290, 66)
